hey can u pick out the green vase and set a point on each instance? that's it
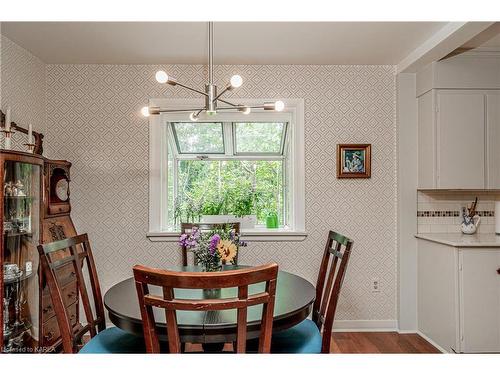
(272, 221)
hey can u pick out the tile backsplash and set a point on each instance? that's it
(441, 211)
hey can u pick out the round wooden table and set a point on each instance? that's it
(294, 299)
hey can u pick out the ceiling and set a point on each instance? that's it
(235, 42)
(489, 38)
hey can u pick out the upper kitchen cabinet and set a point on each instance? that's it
(459, 124)
(493, 139)
(460, 140)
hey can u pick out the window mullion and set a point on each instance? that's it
(228, 139)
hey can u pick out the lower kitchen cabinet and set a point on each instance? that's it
(459, 296)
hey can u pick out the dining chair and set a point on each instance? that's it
(170, 280)
(188, 227)
(54, 256)
(306, 337)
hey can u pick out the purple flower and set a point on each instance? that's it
(213, 243)
(189, 241)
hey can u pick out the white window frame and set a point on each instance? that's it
(158, 146)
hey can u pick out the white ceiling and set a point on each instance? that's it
(235, 42)
(489, 38)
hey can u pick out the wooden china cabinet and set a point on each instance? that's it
(35, 208)
(57, 225)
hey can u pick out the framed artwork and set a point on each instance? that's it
(354, 161)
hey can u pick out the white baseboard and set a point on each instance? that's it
(432, 342)
(365, 325)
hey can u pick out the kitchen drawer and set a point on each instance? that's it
(50, 332)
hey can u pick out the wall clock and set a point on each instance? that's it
(62, 189)
(57, 187)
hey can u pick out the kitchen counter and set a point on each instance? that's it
(462, 240)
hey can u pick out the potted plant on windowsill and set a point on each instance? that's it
(215, 211)
(244, 208)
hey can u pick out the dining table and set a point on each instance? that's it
(293, 303)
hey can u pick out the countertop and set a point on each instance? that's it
(462, 240)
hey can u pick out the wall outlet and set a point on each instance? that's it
(375, 285)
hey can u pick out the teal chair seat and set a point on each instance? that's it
(114, 340)
(304, 338)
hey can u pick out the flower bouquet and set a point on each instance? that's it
(213, 248)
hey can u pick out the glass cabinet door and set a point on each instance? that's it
(21, 218)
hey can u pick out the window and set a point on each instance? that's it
(233, 164)
(246, 175)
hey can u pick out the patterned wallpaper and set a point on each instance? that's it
(23, 89)
(90, 117)
(93, 121)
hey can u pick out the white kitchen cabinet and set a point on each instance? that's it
(427, 173)
(458, 138)
(479, 285)
(493, 139)
(459, 297)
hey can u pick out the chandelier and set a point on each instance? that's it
(212, 97)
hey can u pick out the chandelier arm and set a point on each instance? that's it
(228, 103)
(240, 107)
(181, 110)
(192, 89)
(221, 93)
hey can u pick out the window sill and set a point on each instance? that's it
(250, 235)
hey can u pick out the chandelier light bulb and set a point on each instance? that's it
(279, 106)
(236, 81)
(193, 116)
(161, 76)
(145, 111)
(245, 110)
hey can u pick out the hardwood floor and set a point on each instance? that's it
(366, 343)
(379, 342)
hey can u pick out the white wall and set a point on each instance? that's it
(407, 201)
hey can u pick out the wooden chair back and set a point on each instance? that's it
(170, 280)
(54, 256)
(188, 227)
(330, 278)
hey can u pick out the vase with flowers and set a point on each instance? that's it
(212, 249)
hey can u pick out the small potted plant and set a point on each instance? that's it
(216, 210)
(243, 209)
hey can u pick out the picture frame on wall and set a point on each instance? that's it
(354, 160)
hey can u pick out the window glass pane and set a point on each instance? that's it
(259, 137)
(203, 137)
(229, 187)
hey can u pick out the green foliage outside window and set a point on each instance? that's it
(221, 187)
(237, 187)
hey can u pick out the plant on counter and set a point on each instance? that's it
(214, 248)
